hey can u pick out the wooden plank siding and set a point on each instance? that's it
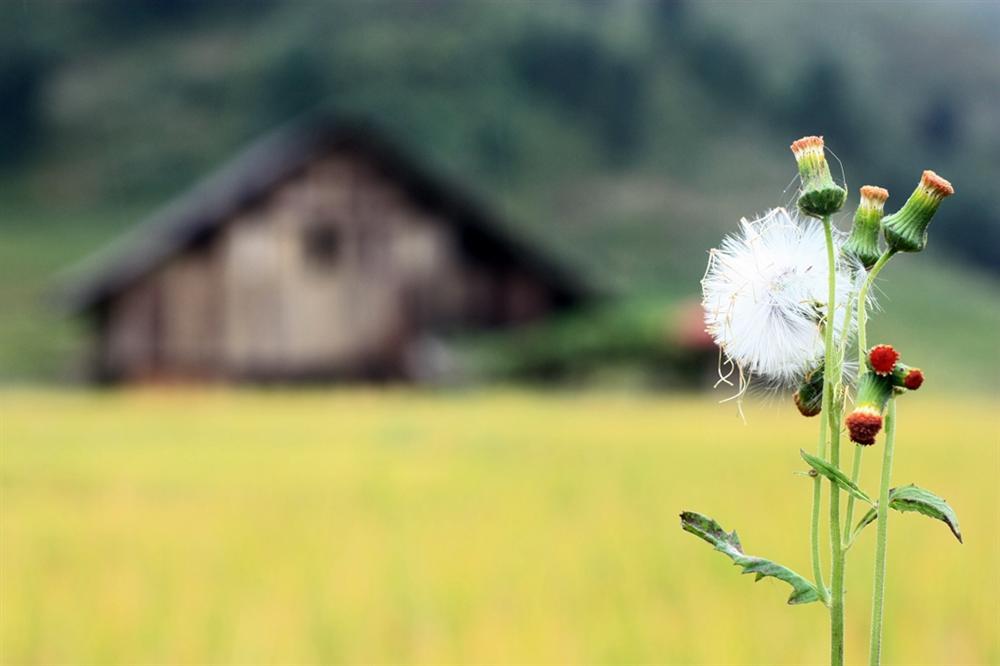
(333, 272)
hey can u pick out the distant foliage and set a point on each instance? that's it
(21, 78)
(723, 67)
(822, 98)
(582, 78)
(293, 84)
(940, 124)
(504, 89)
(118, 15)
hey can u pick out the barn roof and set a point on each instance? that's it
(269, 161)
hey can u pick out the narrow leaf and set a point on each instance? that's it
(914, 498)
(835, 475)
(705, 528)
(868, 518)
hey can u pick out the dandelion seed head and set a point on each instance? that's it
(765, 296)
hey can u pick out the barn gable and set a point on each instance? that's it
(321, 251)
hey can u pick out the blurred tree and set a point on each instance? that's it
(293, 84)
(669, 17)
(124, 16)
(559, 64)
(497, 152)
(619, 112)
(821, 101)
(940, 124)
(723, 67)
(582, 78)
(21, 77)
(121, 13)
(971, 226)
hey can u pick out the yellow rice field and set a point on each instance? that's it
(496, 527)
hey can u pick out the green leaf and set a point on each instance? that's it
(835, 475)
(868, 518)
(704, 527)
(914, 498)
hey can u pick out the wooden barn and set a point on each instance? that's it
(321, 252)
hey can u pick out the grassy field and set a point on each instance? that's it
(501, 527)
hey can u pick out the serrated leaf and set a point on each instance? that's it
(803, 591)
(914, 498)
(835, 475)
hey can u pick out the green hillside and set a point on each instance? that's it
(625, 137)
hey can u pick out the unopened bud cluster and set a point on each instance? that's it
(883, 375)
(904, 231)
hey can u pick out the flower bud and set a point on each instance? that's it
(809, 396)
(820, 196)
(906, 229)
(907, 377)
(865, 420)
(882, 359)
(863, 242)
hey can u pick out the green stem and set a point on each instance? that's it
(831, 377)
(814, 531)
(855, 474)
(862, 352)
(882, 538)
(863, 306)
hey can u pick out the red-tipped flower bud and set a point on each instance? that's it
(907, 377)
(863, 242)
(906, 229)
(820, 195)
(873, 196)
(865, 421)
(882, 359)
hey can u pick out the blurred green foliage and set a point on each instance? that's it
(626, 137)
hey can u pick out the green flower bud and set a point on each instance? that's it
(809, 396)
(873, 391)
(863, 241)
(906, 229)
(819, 196)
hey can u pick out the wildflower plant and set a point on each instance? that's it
(785, 297)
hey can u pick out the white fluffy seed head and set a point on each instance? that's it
(765, 296)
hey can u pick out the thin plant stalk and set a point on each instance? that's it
(862, 351)
(882, 538)
(831, 378)
(818, 486)
(814, 528)
(855, 474)
(863, 306)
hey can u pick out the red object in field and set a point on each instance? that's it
(688, 328)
